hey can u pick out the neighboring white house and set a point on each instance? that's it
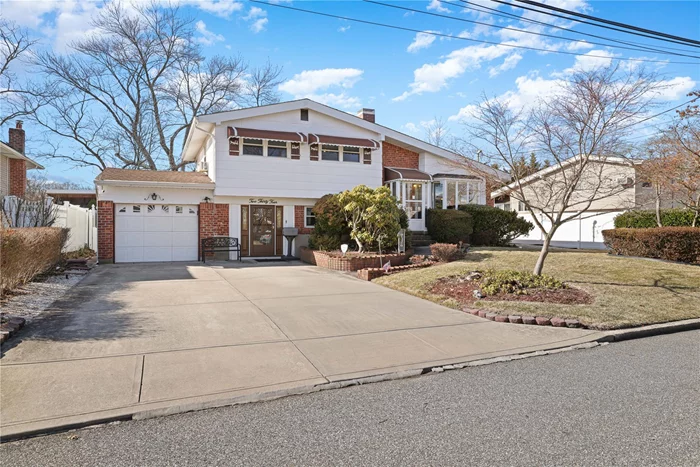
(624, 190)
(261, 169)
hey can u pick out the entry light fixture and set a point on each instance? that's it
(154, 197)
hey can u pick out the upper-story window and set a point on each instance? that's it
(351, 154)
(252, 147)
(276, 149)
(330, 152)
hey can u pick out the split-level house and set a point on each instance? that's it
(14, 163)
(259, 170)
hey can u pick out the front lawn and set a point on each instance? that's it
(625, 292)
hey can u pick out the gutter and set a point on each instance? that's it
(127, 183)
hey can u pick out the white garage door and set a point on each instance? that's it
(155, 232)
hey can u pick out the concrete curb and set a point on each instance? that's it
(618, 335)
(610, 336)
(10, 327)
(523, 319)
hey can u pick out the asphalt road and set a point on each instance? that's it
(630, 403)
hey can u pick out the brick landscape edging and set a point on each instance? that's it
(10, 327)
(324, 259)
(518, 319)
(369, 274)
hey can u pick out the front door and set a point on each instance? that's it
(414, 205)
(262, 230)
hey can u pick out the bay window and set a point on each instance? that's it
(450, 194)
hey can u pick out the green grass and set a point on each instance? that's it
(627, 292)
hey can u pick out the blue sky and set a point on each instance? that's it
(408, 78)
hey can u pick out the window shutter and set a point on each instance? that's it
(245, 230)
(279, 244)
(367, 155)
(296, 148)
(233, 146)
(314, 152)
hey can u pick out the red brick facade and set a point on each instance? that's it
(299, 220)
(396, 156)
(213, 221)
(17, 138)
(105, 231)
(18, 177)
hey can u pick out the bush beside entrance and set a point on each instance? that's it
(647, 219)
(448, 225)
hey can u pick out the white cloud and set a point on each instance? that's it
(259, 25)
(437, 6)
(591, 60)
(343, 28)
(579, 45)
(257, 17)
(207, 37)
(222, 8)
(421, 41)
(509, 63)
(676, 88)
(322, 85)
(411, 128)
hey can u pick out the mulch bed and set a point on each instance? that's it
(463, 291)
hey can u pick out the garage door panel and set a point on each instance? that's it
(185, 224)
(158, 224)
(183, 239)
(184, 253)
(154, 233)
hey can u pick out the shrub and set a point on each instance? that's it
(449, 225)
(516, 282)
(26, 252)
(330, 229)
(495, 227)
(647, 219)
(670, 243)
(446, 252)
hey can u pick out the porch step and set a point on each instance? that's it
(420, 239)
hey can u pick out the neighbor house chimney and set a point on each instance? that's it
(366, 114)
(17, 138)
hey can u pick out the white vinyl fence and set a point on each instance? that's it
(582, 232)
(82, 224)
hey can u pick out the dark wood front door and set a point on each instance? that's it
(262, 231)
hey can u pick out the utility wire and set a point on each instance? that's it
(607, 21)
(592, 23)
(524, 31)
(437, 34)
(504, 14)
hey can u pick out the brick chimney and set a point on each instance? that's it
(18, 167)
(366, 114)
(16, 141)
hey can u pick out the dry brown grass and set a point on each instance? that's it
(626, 292)
(26, 252)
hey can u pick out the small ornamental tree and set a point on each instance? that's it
(371, 215)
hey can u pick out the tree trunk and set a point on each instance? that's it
(543, 254)
(658, 210)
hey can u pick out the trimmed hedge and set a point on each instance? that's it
(448, 225)
(670, 243)
(495, 227)
(27, 252)
(647, 219)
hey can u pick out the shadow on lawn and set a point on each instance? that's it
(477, 257)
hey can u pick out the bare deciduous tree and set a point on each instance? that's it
(127, 94)
(261, 85)
(579, 128)
(15, 48)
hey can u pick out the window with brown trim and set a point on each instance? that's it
(330, 152)
(252, 147)
(351, 154)
(276, 148)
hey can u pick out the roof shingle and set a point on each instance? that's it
(162, 176)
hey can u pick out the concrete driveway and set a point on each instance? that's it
(160, 338)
